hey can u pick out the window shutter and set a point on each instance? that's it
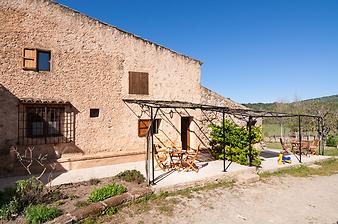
(143, 126)
(29, 59)
(138, 83)
(143, 86)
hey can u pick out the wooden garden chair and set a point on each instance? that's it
(189, 162)
(285, 147)
(175, 154)
(313, 147)
(161, 157)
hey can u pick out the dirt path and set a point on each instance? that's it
(278, 200)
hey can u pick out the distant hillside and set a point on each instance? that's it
(326, 107)
(331, 101)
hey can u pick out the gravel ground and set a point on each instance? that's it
(276, 200)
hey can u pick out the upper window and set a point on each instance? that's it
(138, 83)
(36, 60)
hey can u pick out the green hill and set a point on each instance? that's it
(327, 101)
(326, 107)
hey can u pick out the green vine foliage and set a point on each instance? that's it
(236, 142)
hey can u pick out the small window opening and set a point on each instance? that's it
(94, 112)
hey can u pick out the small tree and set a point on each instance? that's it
(236, 143)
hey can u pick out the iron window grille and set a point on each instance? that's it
(45, 124)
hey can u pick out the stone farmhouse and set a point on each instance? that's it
(63, 79)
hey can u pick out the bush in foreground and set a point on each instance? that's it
(105, 192)
(131, 176)
(28, 192)
(236, 143)
(40, 214)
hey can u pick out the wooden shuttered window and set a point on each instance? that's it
(138, 83)
(35, 59)
(29, 56)
(144, 124)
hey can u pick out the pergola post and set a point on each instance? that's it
(151, 132)
(148, 159)
(152, 147)
(319, 136)
(223, 131)
(322, 135)
(300, 138)
(250, 141)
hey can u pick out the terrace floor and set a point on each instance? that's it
(209, 170)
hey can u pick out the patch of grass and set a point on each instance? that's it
(10, 209)
(331, 151)
(131, 176)
(40, 214)
(299, 171)
(94, 181)
(166, 209)
(60, 202)
(89, 220)
(81, 204)
(110, 211)
(327, 168)
(206, 187)
(273, 145)
(105, 192)
(73, 196)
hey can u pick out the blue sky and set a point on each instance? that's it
(253, 51)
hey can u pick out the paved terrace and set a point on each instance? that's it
(212, 170)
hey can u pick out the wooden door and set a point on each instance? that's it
(185, 132)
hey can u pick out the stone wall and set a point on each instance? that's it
(90, 62)
(8, 119)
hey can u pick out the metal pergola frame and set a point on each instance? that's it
(156, 105)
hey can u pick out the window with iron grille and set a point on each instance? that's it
(45, 124)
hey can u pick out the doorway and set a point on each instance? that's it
(185, 132)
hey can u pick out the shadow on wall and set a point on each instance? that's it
(8, 120)
(13, 165)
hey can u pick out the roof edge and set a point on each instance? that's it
(227, 98)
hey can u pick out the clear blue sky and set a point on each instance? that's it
(253, 50)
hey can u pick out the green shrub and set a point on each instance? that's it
(110, 211)
(332, 140)
(10, 210)
(40, 213)
(236, 142)
(6, 195)
(131, 176)
(26, 192)
(30, 191)
(106, 192)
